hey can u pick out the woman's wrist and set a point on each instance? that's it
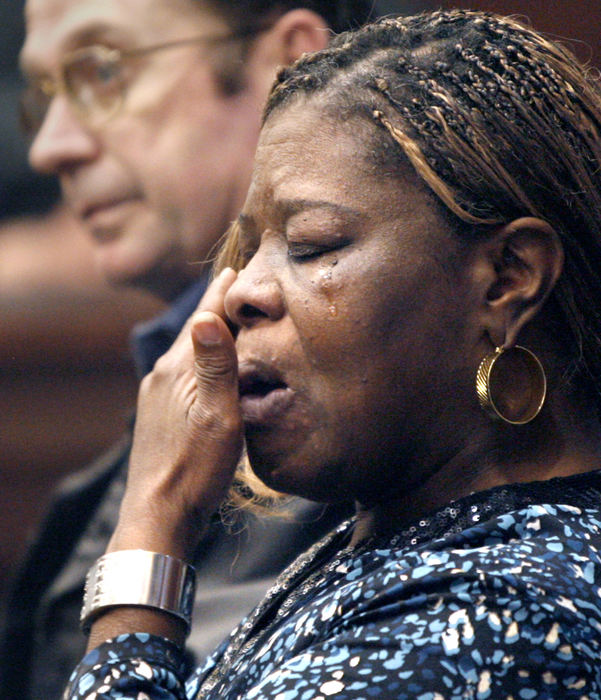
(173, 536)
(132, 620)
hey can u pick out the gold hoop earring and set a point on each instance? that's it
(511, 385)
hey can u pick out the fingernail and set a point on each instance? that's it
(227, 272)
(208, 332)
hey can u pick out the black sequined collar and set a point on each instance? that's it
(581, 490)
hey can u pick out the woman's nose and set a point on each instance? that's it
(62, 141)
(254, 296)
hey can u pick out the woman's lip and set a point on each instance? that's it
(264, 395)
(262, 410)
(256, 377)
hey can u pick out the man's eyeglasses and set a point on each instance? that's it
(94, 81)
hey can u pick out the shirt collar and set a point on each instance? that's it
(151, 339)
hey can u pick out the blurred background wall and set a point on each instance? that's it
(67, 384)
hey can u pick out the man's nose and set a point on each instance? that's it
(62, 141)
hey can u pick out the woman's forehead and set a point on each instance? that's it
(314, 170)
(313, 134)
(305, 152)
(307, 144)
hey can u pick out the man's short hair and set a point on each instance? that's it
(250, 16)
(340, 15)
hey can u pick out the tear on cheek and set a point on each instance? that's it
(329, 286)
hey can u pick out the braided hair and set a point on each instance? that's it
(498, 121)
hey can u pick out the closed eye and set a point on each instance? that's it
(301, 252)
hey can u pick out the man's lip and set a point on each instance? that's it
(105, 219)
(93, 211)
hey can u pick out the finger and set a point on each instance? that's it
(215, 363)
(217, 408)
(212, 300)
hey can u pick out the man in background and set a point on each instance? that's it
(148, 111)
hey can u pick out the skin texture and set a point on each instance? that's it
(367, 319)
(158, 183)
(334, 299)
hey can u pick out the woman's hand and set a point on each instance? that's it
(187, 443)
(187, 438)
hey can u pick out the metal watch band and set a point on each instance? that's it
(139, 578)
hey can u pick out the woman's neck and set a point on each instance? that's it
(560, 442)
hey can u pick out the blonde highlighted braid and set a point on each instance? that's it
(497, 120)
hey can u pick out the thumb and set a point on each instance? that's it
(215, 363)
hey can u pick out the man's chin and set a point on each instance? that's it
(118, 272)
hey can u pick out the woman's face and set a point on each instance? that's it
(356, 344)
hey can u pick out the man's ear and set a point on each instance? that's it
(525, 259)
(301, 31)
(294, 33)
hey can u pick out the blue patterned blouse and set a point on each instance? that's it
(496, 595)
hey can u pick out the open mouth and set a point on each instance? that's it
(258, 386)
(264, 396)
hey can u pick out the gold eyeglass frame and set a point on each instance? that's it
(51, 87)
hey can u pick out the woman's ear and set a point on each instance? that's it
(526, 259)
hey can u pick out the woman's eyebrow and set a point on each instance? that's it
(285, 208)
(290, 206)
